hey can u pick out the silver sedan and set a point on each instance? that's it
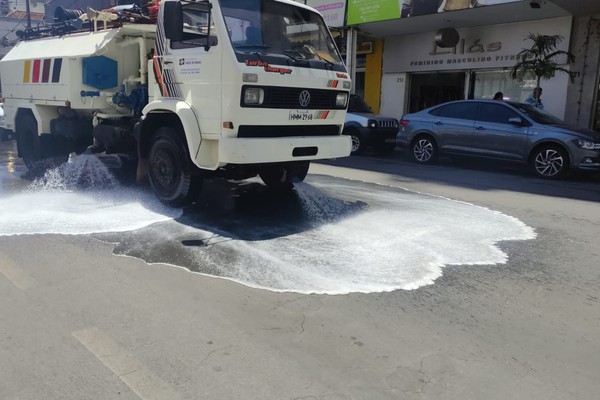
(502, 130)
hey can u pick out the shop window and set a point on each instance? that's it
(487, 83)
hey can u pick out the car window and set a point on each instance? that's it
(497, 113)
(358, 105)
(539, 116)
(456, 110)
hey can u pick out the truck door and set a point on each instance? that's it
(191, 66)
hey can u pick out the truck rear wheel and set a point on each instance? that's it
(281, 176)
(28, 140)
(172, 175)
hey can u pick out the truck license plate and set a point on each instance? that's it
(301, 115)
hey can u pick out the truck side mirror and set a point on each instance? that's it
(173, 20)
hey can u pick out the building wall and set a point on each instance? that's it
(582, 92)
(480, 48)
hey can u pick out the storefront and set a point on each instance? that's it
(418, 73)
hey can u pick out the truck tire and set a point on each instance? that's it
(172, 175)
(281, 176)
(28, 140)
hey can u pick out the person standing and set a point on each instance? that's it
(498, 96)
(536, 98)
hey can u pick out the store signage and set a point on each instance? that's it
(333, 11)
(364, 11)
(479, 47)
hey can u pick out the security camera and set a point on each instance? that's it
(534, 4)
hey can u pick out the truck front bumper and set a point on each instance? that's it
(268, 150)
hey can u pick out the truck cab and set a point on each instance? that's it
(232, 88)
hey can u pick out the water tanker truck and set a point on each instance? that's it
(234, 88)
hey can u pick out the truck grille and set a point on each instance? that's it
(289, 97)
(264, 131)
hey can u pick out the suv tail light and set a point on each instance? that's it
(404, 122)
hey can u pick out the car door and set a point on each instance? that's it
(497, 132)
(453, 124)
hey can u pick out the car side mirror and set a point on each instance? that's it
(517, 121)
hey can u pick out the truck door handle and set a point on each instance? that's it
(167, 64)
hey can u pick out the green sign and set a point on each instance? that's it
(362, 11)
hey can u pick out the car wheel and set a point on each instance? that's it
(357, 144)
(549, 162)
(282, 176)
(424, 149)
(170, 170)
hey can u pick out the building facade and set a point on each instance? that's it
(402, 69)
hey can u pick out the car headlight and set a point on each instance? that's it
(341, 100)
(587, 144)
(254, 96)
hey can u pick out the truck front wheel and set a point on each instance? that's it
(172, 175)
(281, 176)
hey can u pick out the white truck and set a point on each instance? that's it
(236, 88)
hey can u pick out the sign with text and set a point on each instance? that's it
(333, 11)
(493, 46)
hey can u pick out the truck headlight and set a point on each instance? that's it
(254, 96)
(341, 100)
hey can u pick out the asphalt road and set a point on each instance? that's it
(94, 314)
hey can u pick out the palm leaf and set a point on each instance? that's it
(539, 58)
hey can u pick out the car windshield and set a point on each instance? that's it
(358, 105)
(539, 116)
(271, 27)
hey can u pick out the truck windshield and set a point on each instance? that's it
(272, 28)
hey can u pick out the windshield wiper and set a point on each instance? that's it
(310, 50)
(298, 59)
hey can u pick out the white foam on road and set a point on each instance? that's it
(76, 213)
(402, 243)
(399, 240)
(80, 197)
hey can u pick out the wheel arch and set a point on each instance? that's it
(548, 142)
(42, 114)
(174, 113)
(422, 133)
(352, 126)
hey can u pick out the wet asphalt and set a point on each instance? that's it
(118, 315)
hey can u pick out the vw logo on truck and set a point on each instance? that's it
(304, 98)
